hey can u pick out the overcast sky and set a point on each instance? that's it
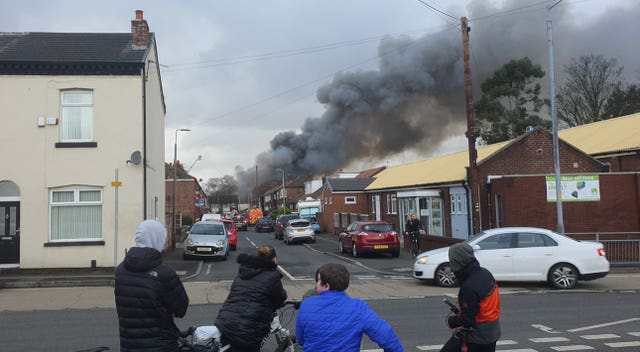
(317, 86)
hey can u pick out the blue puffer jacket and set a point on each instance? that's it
(332, 321)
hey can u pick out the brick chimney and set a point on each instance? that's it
(139, 31)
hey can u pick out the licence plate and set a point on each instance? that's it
(381, 246)
(300, 230)
(204, 249)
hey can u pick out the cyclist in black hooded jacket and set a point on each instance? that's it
(245, 317)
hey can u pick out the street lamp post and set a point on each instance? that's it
(284, 196)
(175, 179)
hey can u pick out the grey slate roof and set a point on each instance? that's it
(348, 184)
(47, 53)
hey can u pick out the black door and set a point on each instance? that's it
(9, 232)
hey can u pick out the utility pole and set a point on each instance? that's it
(554, 122)
(472, 171)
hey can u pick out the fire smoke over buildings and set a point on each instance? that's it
(415, 98)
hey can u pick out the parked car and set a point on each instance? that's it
(241, 222)
(299, 230)
(522, 254)
(264, 224)
(281, 223)
(233, 233)
(207, 239)
(362, 237)
(314, 222)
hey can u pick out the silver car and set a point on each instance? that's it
(299, 230)
(207, 239)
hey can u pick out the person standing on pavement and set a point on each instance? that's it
(148, 294)
(245, 316)
(331, 321)
(478, 300)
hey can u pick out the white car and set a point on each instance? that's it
(299, 230)
(522, 254)
(208, 238)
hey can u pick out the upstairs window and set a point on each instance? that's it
(349, 200)
(76, 123)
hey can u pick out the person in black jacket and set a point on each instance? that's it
(148, 294)
(413, 227)
(245, 317)
(478, 300)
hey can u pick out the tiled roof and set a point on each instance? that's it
(348, 184)
(598, 138)
(69, 47)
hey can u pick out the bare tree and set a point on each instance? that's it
(590, 83)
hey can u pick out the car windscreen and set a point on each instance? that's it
(379, 228)
(228, 225)
(299, 224)
(208, 229)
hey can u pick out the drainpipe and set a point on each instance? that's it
(144, 144)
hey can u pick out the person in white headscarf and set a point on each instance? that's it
(148, 294)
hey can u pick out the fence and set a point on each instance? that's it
(622, 248)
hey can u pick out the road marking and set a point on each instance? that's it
(545, 328)
(520, 350)
(623, 344)
(208, 271)
(635, 333)
(397, 277)
(572, 348)
(376, 350)
(365, 277)
(548, 339)
(603, 325)
(600, 336)
(429, 348)
(181, 272)
(400, 270)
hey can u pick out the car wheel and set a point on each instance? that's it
(563, 276)
(275, 235)
(185, 256)
(445, 277)
(354, 251)
(313, 240)
(395, 253)
(233, 248)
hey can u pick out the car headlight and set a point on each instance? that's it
(189, 242)
(220, 243)
(422, 260)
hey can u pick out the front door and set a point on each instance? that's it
(9, 232)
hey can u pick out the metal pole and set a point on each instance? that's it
(554, 122)
(284, 201)
(175, 177)
(115, 230)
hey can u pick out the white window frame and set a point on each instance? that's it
(350, 200)
(392, 204)
(86, 125)
(77, 204)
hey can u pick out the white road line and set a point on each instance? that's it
(634, 333)
(181, 272)
(572, 348)
(208, 271)
(376, 350)
(520, 350)
(623, 344)
(545, 328)
(396, 277)
(429, 347)
(600, 336)
(286, 273)
(506, 342)
(548, 339)
(365, 277)
(603, 325)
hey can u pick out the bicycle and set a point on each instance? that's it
(209, 339)
(415, 243)
(458, 340)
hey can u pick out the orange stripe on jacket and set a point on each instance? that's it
(489, 307)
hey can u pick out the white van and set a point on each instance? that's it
(209, 216)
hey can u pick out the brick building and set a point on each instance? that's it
(191, 200)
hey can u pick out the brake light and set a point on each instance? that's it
(601, 252)
(362, 234)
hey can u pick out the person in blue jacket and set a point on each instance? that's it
(332, 321)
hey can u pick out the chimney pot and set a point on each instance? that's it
(139, 14)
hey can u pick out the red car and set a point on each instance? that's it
(233, 233)
(369, 237)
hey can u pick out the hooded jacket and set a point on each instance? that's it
(245, 317)
(148, 294)
(478, 296)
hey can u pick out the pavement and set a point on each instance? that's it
(86, 288)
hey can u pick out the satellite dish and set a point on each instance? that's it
(136, 158)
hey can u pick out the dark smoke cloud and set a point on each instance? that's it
(415, 98)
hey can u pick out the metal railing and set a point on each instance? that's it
(623, 248)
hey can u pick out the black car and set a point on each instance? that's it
(281, 223)
(264, 224)
(241, 222)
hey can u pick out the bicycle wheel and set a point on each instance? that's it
(415, 250)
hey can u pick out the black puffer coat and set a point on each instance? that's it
(148, 295)
(245, 317)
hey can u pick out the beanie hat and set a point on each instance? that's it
(460, 255)
(151, 234)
